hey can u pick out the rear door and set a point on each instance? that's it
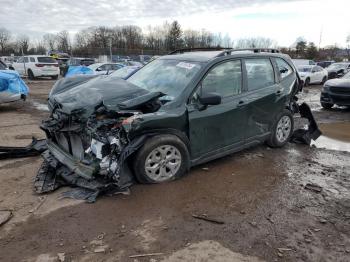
(218, 127)
(262, 97)
(19, 66)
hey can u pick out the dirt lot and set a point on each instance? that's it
(259, 195)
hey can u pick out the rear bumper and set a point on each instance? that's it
(6, 97)
(335, 99)
(40, 72)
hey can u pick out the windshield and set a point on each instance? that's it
(304, 69)
(337, 66)
(346, 76)
(167, 76)
(125, 71)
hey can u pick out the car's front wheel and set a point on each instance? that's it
(326, 105)
(324, 79)
(162, 158)
(282, 130)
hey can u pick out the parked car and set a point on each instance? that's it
(338, 69)
(336, 92)
(12, 87)
(126, 71)
(76, 61)
(299, 62)
(325, 64)
(176, 112)
(3, 66)
(105, 68)
(36, 66)
(312, 74)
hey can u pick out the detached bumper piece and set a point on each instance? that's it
(33, 149)
(304, 136)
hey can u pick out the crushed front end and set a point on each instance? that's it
(87, 153)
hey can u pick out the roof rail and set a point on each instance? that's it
(195, 49)
(254, 50)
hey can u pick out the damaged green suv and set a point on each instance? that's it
(178, 111)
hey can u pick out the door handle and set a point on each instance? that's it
(241, 103)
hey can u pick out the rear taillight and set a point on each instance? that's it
(56, 65)
(39, 65)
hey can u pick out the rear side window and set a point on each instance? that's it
(224, 79)
(260, 73)
(283, 67)
(46, 60)
(32, 59)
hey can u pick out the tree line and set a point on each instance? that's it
(154, 40)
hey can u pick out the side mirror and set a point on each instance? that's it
(98, 69)
(207, 99)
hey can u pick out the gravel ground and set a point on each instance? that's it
(260, 196)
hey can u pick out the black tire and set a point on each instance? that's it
(11, 68)
(327, 105)
(30, 75)
(273, 141)
(54, 77)
(153, 143)
(324, 79)
(307, 82)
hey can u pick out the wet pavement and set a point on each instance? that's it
(289, 204)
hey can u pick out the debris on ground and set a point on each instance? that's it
(41, 202)
(146, 255)
(35, 148)
(313, 187)
(208, 219)
(61, 257)
(5, 216)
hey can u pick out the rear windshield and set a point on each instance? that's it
(46, 60)
(304, 69)
(87, 62)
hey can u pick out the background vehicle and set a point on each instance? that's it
(126, 71)
(298, 62)
(176, 112)
(36, 66)
(338, 69)
(3, 66)
(325, 64)
(76, 61)
(336, 92)
(12, 87)
(312, 74)
(104, 68)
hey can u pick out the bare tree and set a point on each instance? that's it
(174, 36)
(22, 44)
(255, 42)
(5, 37)
(50, 41)
(63, 43)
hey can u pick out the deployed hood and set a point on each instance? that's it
(340, 82)
(86, 92)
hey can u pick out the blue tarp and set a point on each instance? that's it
(78, 70)
(10, 81)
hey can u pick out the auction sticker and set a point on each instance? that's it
(186, 65)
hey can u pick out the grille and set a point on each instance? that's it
(340, 90)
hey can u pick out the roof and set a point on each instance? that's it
(206, 56)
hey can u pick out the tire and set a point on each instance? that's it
(156, 156)
(54, 77)
(282, 130)
(30, 75)
(307, 82)
(327, 105)
(324, 79)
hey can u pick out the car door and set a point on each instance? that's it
(19, 66)
(218, 127)
(262, 98)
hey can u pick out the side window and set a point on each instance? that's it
(260, 73)
(283, 67)
(224, 79)
(32, 59)
(20, 60)
(102, 68)
(26, 60)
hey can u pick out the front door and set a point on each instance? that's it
(222, 126)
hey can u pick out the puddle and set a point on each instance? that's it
(40, 106)
(336, 136)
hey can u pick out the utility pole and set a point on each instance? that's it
(319, 43)
(110, 49)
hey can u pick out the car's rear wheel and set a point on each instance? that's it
(282, 130)
(324, 79)
(307, 82)
(162, 158)
(327, 105)
(54, 77)
(30, 74)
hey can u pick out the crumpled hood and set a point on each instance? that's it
(86, 92)
(339, 82)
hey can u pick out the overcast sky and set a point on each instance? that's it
(281, 20)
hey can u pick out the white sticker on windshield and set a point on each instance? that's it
(186, 65)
